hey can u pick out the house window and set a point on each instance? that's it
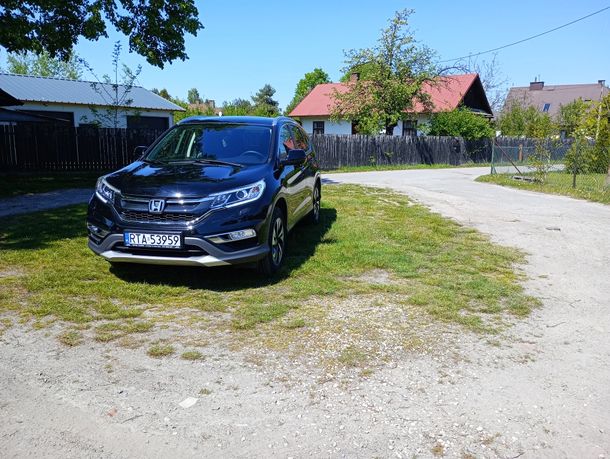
(409, 127)
(318, 127)
(546, 108)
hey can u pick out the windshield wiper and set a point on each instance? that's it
(216, 161)
(154, 161)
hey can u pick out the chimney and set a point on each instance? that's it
(354, 76)
(211, 103)
(536, 85)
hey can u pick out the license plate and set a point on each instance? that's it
(165, 241)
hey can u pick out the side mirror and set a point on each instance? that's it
(138, 152)
(295, 158)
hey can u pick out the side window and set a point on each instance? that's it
(286, 142)
(300, 139)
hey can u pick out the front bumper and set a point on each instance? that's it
(210, 256)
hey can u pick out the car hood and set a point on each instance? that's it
(183, 179)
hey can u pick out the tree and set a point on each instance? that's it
(571, 116)
(461, 123)
(114, 91)
(305, 85)
(190, 110)
(520, 120)
(396, 70)
(156, 31)
(44, 65)
(493, 81)
(193, 96)
(264, 104)
(237, 107)
(162, 93)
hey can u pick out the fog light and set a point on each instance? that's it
(241, 234)
(232, 236)
(97, 230)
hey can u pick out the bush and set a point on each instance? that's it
(461, 123)
(583, 158)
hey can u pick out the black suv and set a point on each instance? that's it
(210, 191)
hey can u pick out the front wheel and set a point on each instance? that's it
(277, 244)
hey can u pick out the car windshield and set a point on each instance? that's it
(215, 142)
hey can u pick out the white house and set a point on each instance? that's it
(79, 103)
(448, 94)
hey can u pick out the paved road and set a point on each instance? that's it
(568, 242)
(43, 201)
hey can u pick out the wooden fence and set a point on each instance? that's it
(38, 147)
(335, 151)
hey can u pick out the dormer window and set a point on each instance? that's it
(546, 108)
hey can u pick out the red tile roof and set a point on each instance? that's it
(446, 95)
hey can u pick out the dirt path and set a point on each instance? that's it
(43, 201)
(540, 390)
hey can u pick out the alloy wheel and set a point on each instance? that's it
(277, 241)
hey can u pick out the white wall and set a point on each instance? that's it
(84, 115)
(345, 127)
(330, 127)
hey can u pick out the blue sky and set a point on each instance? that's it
(246, 44)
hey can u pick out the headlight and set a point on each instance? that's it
(238, 196)
(104, 191)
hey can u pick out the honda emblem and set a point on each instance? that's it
(156, 206)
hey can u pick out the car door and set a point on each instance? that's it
(288, 174)
(306, 179)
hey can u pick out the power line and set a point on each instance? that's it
(528, 38)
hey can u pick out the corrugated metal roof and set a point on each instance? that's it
(56, 90)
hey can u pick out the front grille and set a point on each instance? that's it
(137, 216)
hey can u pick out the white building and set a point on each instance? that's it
(451, 92)
(79, 103)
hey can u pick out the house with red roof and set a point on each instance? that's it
(447, 94)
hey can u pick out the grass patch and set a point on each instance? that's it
(18, 184)
(452, 273)
(70, 338)
(192, 355)
(352, 357)
(160, 350)
(588, 186)
(401, 167)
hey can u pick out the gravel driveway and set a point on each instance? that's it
(43, 201)
(539, 390)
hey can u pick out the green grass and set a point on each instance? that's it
(192, 355)
(18, 184)
(588, 186)
(396, 167)
(443, 270)
(70, 338)
(160, 350)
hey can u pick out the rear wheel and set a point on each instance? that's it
(277, 244)
(314, 216)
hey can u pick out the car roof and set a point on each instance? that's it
(253, 120)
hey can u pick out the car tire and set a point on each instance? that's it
(313, 218)
(276, 239)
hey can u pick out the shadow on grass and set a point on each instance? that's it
(301, 245)
(39, 229)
